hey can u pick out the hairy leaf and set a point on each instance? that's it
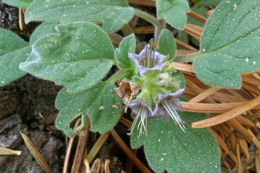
(230, 44)
(173, 11)
(78, 56)
(18, 3)
(167, 44)
(127, 45)
(111, 13)
(97, 102)
(43, 30)
(167, 147)
(13, 51)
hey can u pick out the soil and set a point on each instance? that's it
(27, 106)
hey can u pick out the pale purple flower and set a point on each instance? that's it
(148, 59)
(142, 111)
(167, 105)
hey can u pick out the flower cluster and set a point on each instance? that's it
(160, 91)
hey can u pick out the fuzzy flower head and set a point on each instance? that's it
(148, 59)
(142, 112)
(160, 89)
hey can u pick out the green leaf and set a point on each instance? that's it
(167, 44)
(111, 13)
(13, 51)
(104, 112)
(230, 44)
(206, 3)
(43, 30)
(97, 102)
(127, 45)
(173, 11)
(167, 147)
(18, 3)
(78, 56)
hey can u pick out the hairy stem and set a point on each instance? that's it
(159, 25)
(115, 77)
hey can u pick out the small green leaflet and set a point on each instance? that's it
(230, 44)
(167, 147)
(99, 102)
(173, 11)
(127, 45)
(111, 13)
(18, 3)
(13, 51)
(167, 44)
(78, 56)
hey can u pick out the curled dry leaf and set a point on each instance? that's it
(127, 90)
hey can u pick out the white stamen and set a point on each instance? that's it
(174, 115)
(142, 125)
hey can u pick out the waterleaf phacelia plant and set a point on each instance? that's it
(76, 46)
(160, 88)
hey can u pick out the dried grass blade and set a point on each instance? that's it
(193, 30)
(107, 163)
(197, 16)
(209, 108)
(148, 3)
(126, 122)
(183, 67)
(129, 153)
(94, 150)
(21, 18)
(144, 30)
(244, 148)
(245, 121)
(182, 52)
(83, 138)
(233, 157)
(252, 80)
(204, 94)
(255, 141)
(233, 141)
(6, 152)
(185, 46)
(236, 125)
(227, 165)
(87, 166)
(221, 143)
(68, 150)
(257, 163)
(36, 154)
(227, 115)
(238, 160)
(96, 166)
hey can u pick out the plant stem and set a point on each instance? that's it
(115, 77)
(158, 30)
(157, 23)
